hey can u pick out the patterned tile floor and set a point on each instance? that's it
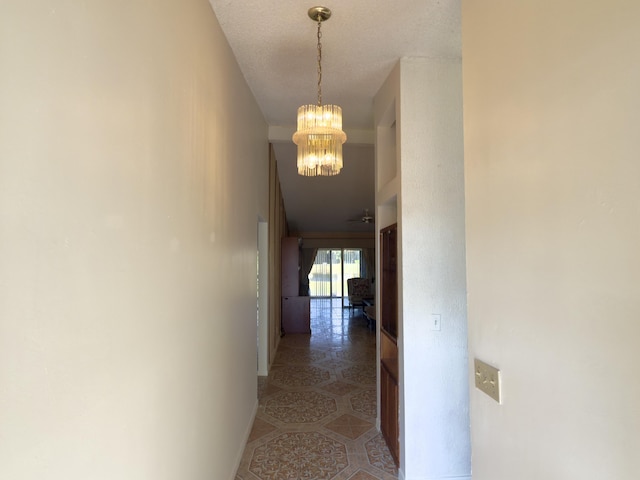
(317, 409)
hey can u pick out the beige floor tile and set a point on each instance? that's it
(317, 411)
(260, 429)
(349, 426)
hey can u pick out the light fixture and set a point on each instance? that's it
(319, 136)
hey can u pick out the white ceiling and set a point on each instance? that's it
(275, 45)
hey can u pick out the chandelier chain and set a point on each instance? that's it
(319, 62)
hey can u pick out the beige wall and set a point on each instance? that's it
(133, 169)
(551, 110)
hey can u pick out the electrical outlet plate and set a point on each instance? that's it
(487, 379)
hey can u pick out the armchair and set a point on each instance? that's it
(358, 290)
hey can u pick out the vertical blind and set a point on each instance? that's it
(331, 269)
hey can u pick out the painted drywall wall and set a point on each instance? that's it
(431, 250)
(551, 113)
(133, 167)
(426, 95)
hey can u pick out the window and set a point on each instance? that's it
(331, 269)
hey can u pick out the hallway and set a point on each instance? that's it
(317, 409)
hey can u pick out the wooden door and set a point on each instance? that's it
(389, 374)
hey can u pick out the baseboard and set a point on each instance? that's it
(244, 440)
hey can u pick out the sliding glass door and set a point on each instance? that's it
(331, 269)
(320, 276)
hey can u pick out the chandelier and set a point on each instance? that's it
(319, 136)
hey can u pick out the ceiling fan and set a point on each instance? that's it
(365, 218)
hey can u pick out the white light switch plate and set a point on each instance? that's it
(487, 379)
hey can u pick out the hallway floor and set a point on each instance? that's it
(317, 409)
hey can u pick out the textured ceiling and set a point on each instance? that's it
(275, 45)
